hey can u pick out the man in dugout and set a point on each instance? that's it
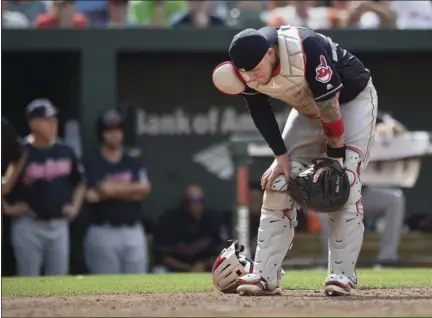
(115, 242)
(48, 194)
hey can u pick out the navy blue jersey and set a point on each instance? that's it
(114, 212)
(48, 180)
(330, 68)
(11, 147)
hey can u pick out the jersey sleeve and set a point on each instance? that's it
(140, 173)
(321, 74)
(264, 119)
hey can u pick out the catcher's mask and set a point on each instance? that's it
(230, 265)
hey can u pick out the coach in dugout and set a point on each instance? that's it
(48, 194)
(115, 242)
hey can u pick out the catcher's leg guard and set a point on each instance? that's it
(346, 234)
(275, 236)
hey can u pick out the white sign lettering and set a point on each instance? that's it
(213, 122)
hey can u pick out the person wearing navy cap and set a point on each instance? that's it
(117, 184)
(47, 196)
(334, 107)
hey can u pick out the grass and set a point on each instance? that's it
(192, 283)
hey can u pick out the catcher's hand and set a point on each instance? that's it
(323, 186)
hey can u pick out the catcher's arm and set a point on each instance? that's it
(228, 80)
(325, 84)
(333, 124)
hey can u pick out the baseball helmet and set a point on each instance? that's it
(109, 119)
(230, 265)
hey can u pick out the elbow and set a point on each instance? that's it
(141, 192)
(81, 187)
(144, 189)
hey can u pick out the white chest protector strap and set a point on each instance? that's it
(276, 230)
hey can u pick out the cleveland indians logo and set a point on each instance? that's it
(323, 71)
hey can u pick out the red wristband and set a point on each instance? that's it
(333, 129)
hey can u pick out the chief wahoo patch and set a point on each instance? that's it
(323, 71)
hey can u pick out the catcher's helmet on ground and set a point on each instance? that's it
(109, 119)
(230, 265)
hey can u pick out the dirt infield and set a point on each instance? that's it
(393, 302)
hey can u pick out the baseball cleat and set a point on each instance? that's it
(335, 290)
(256, 285)
(254, 290)
(339, 285)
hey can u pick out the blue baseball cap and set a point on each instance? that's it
(249, 46)
(41, 108)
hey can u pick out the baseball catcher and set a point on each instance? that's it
(319, 156)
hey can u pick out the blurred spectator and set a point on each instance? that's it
(104, 13)
(95, 10)
(199, 15)
(247, 14)
(13, 19)
(62, 15)
(118, 13)
(258, 5)
(412, 14)
(115, 242)
(188, 239)
(157, 13)
(31, 9)
(273, 4)
(305, 13)
(371, 15)
(219, 9)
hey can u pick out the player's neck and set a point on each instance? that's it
(112, 154)
(40, 141)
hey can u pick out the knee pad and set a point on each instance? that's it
(277, 228)
(345, 242)
(277, 199)
(346, 226)
(353, 166)
(275, 236)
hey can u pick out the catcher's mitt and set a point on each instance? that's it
(323, 186)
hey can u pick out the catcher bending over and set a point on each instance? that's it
(324, 146)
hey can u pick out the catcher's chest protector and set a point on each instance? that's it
(289, 85)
